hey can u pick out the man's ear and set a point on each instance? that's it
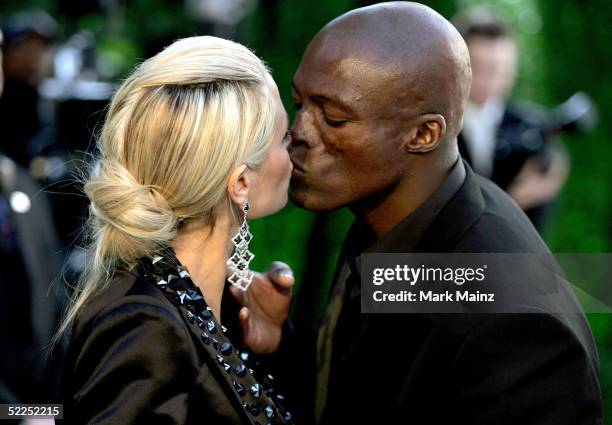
(238, 185)
(427, 133)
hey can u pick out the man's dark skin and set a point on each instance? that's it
(379, 108)
(379, 97)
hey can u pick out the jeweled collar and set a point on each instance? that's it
(235, 366)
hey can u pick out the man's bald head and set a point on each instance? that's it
(413, 53)
(379, 96)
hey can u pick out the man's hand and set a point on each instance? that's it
(265, 307)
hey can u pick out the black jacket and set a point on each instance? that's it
(136, 357)
(474, 369)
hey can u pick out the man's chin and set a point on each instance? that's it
(309, 200)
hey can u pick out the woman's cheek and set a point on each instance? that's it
(281, 164)
(288, 165)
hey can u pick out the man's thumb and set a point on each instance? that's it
(281, 274)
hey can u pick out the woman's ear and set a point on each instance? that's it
(427, 133)
(238, 185)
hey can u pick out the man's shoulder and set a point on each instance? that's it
(534, 330)
(481, 217)
(502, 226)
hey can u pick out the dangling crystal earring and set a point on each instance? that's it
(241, 257)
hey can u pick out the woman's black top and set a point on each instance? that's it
(148, 350)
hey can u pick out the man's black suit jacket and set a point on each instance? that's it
(472, 369)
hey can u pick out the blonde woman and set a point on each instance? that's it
(194, 141)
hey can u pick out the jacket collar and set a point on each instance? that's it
(405, 236)
(252, 396)
(436, 226)
(461, 212)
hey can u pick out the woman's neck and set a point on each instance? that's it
(204, 252)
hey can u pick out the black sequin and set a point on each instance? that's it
(226, 348)
(239, 388)
(255, 390)
(240, 370)
(270, 411)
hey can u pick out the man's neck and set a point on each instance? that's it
(390, 209)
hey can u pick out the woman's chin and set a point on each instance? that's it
(282, 203)
(272, 208)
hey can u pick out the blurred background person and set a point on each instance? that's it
(512, 142)
(30, 306)
(51, 101)
(28, 37)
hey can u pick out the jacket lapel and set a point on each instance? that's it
(462, 211)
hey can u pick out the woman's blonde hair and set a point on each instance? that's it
(175, 129)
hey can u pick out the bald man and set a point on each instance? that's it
(379, 97)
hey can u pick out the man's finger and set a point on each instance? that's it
(243, 316)
(238, 294)
(281, 274)
(229, 270)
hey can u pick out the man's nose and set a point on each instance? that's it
(303, 130)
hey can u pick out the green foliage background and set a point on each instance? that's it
(566, 46)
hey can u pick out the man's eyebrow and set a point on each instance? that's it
(339, 103)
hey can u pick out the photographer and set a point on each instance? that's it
(507, 141)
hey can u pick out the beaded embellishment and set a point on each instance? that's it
(240, 372)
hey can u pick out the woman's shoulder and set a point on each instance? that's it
(129, 349)
(128, 297)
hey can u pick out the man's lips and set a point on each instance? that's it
(297, 168)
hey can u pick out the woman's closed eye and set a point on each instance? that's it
(287, 139)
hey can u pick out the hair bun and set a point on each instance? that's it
(134, 219)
